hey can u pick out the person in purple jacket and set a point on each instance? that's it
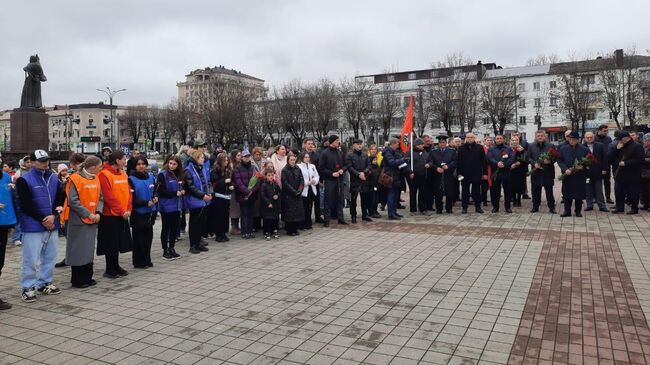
(241, 177)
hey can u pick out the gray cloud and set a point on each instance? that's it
(147, 46)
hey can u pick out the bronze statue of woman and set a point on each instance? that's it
(31, 97)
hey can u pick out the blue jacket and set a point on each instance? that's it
(395, 165)
(43, 186)
(495, 156)
(197, 185)
(8, 213)
(143, 192)
(171, 203)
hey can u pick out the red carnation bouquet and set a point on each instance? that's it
(584, 162)
(257, 178)
(497, 173)
(545, 158)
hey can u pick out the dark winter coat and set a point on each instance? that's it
(218, 181)
(358, 162)
(633, 155)
(448, 157)
(573, 186)
(395, 165)
(292, 184)
(329, 162)
(373, 173)
(546, 176)
(498, 153)
(645, 168)
(472, 162)
(266, 197)
(240, 179)
(420, 160)
(602, 162)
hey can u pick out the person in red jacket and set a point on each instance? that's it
(114, 235)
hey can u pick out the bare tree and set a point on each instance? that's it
(388, 108)
(267, 117)
(575, 95)
(153, 117)
(291, 110)
(499, 103)
(356, 103)
(541, 104)
(132, 120)
(224, 114)
(543, 59)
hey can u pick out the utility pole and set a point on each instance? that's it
(111, 93)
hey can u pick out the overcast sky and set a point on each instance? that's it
(148, 46)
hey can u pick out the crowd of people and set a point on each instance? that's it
(107, 206)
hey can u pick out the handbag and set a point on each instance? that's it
(385, 180)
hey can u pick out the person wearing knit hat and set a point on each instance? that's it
(417, 183)
(332, 138)
(331, 168)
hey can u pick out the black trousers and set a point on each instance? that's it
(629, 190)
(495, 193)
(292, 227)
(82, 274)
(366, 203)
(607, 183)
(569, 202)
(417, 194)
(198, 218)
(270, 226)
(442, 192)
(307, 204)
(4, 232)
(318, 214)
(247, 213)
(169, 230)
(485, 188)
(645, 193)
(142, 238)
(537, 195)
(334, 201)
(475, 188)
(221, 216)
(112, 263)
(429, 190)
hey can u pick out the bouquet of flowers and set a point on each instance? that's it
(256, 179)
(497, 172)
(551, 155)
(584, 162)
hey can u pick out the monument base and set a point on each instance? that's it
(29, 130)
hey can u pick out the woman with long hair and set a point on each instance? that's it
(81, 213)
(518, 171)
(293, 213)
(220, 177)
(234, 209)
(197, 198)
(170, 203)
(144, 199)
(7, 220)
(279, 161)
(114, 235)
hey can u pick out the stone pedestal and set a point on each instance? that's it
(29, 130)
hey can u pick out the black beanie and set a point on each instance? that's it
(332, 138)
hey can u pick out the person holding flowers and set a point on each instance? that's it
(542, 156)
(573, 162)
(501, 158)
(246, 186)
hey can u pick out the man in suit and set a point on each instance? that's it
(500, 158)
(596, 172)
(443, 161)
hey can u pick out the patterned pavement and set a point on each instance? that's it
(459, 289)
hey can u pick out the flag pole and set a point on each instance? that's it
(412, 152)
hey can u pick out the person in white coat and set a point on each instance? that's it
(310, 188)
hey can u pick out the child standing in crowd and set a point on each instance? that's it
(245, 194)
(82, 214)
(144, 212)
(7, 220)
(170, 202)
(197, 198)
(293, 213)
(220, 177)
(270, 201)
(114, 235)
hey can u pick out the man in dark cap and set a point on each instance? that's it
(472, 169)
(573, 184)
(358, 165)
(602, 136)
(417, 184)
(443, 161)
(331, 168)
(628, 156)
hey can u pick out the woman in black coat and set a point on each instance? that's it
(292, 210)
(518, 171)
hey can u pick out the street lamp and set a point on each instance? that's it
(111, 93)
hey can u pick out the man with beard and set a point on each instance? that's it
(472, 169)
(501, 158)
(575, 177)
(543, 175)
(628, 157)
(331, 169)
(443, 161)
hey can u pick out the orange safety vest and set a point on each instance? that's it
(120, 188)
(88, 191)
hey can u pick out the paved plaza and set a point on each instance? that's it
(458, 289)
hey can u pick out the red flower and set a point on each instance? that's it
(554, 153)
(592, 158)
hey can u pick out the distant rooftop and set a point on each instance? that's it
(221, 70)
(517, 71)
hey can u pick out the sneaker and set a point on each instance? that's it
(267, 237)
(4, 305)
(29, 295)
(168, 255)
(49, 289)
(174, 254)
(276, 235)
(18, 243)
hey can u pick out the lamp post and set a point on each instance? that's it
(111, 93)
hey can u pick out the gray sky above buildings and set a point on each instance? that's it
(147, 46)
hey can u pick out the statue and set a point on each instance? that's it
(31, 97)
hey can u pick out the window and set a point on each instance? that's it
(522, 119)
(589, 116)
(538, 102)
(645, 75)
(486, 121)
(521, 87)
(405, 101)
(522, 102)
(536, 86)
(390, 78)
(434, 73)
(412, 76)
(588, 80)
(553, 101)
(458, 71)
(552, 84)
(435, 124)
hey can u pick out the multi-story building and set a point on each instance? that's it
(204, 85)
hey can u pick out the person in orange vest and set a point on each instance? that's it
(114, 235)
(81, 212)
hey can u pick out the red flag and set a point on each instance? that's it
(407, 129)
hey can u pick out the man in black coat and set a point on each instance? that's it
(472, 169)
(573, 185)
(500, 158)
(543, 174)
(443, 163)
(523, 148)
(597, 171)
(417, 185)
(358, 165)
(602, 136)
(628, 156)
(429, 191)
(331, 169)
